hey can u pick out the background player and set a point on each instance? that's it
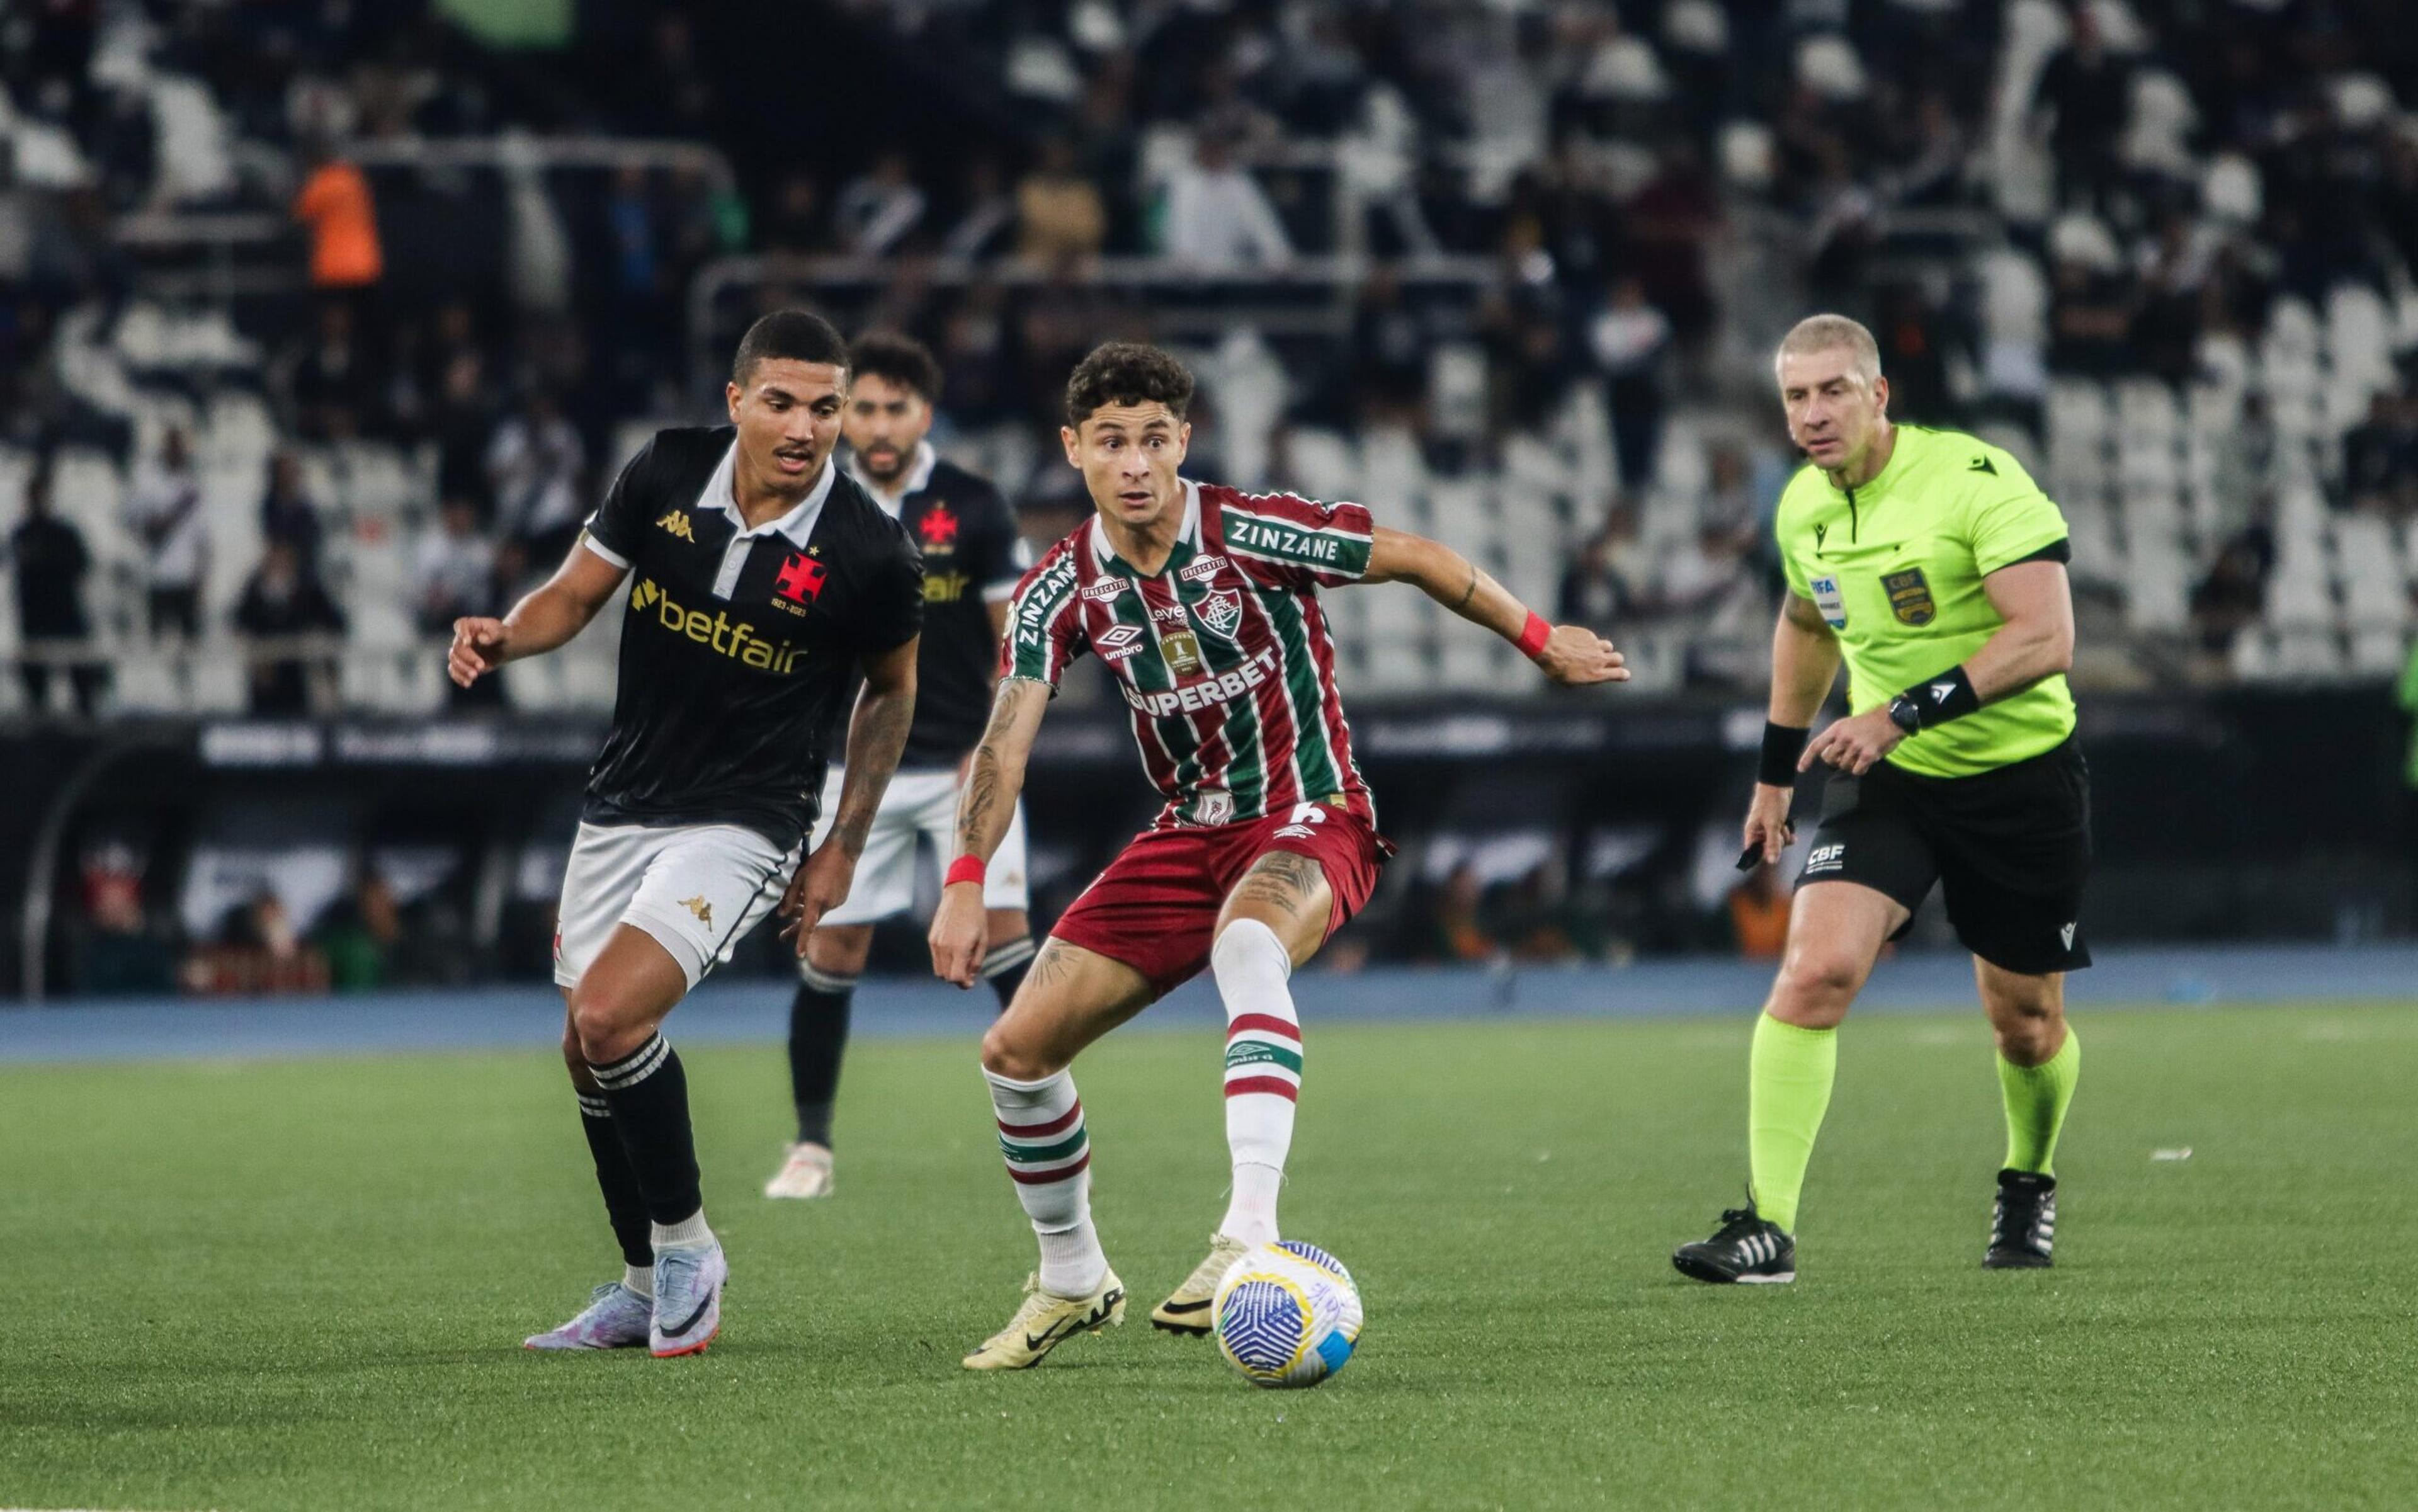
(972, 556)
(765, 581)
(1927, 561)
(1202, 601)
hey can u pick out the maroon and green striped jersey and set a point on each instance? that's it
(1223, 654)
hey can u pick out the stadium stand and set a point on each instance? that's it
(1510, 271)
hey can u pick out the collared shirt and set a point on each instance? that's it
(741, 646)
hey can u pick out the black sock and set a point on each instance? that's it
(649, 1093)
(818, 1039)
(1005, 965)
(624, 1202)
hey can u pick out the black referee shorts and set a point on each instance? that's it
(2009, 848)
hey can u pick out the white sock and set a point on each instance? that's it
(639, 1278)
(1049, 1154)
(689, 1233)
(1262, 1072)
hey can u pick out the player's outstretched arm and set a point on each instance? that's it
(552, 614)
(1571, 655)
(994, 780)
(877, 733)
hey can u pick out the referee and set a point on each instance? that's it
(1933, 567)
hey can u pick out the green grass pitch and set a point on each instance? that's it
(303, 1284)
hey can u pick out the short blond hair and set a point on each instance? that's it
(1831, 333)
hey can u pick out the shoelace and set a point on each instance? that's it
(1737, 1223)
(2017, 1217)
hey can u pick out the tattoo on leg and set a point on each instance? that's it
(1048, 967)
(1282, 879)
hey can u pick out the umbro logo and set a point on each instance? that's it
(677, 523)
(1119, 641)
(1984, 464)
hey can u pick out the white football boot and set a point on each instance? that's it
(807, 1172)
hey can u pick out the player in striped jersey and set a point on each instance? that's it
(1204, 603)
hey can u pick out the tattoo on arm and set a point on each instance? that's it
(989, 794)
(1471, 591)
(1284, 880)
(875, 736)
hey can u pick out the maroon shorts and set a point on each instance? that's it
(1155, 907)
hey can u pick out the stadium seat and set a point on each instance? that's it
(2380, 654)
(1325, 463)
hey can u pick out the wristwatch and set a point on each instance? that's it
(1905, 714)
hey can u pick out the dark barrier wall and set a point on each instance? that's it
(2245, 816)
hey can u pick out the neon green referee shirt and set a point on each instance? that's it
(1896, 565)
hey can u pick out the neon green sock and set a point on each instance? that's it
(2036, 1099)
(1788, 1090)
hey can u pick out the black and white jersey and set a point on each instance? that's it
(739, 647)
(972, 557)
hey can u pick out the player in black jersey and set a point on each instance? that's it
(762, 584)
(972, 557)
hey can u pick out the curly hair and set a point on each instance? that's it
(1126, 372)
(897, 358)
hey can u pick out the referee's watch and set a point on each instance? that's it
(1905, 713)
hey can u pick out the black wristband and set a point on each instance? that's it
(1937, 700)
(1781, 746)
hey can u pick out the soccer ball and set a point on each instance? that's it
(1288, 1314)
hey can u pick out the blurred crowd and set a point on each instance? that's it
(2011, 193)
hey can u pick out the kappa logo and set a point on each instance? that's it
(699, 907)
(677, 523)
(1826, 859)
(1118, 642)
(1202, 569)
(2066, 935)
(1220, 613)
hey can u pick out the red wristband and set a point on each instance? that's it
(965, 869)
(1534, 634)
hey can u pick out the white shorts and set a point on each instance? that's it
(917, 803)
(695, 889)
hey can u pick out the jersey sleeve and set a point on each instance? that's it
(2011, 519)
(893, 612)
(1045, 621)
(1287, 542)
(614, 531)
(999, 559)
